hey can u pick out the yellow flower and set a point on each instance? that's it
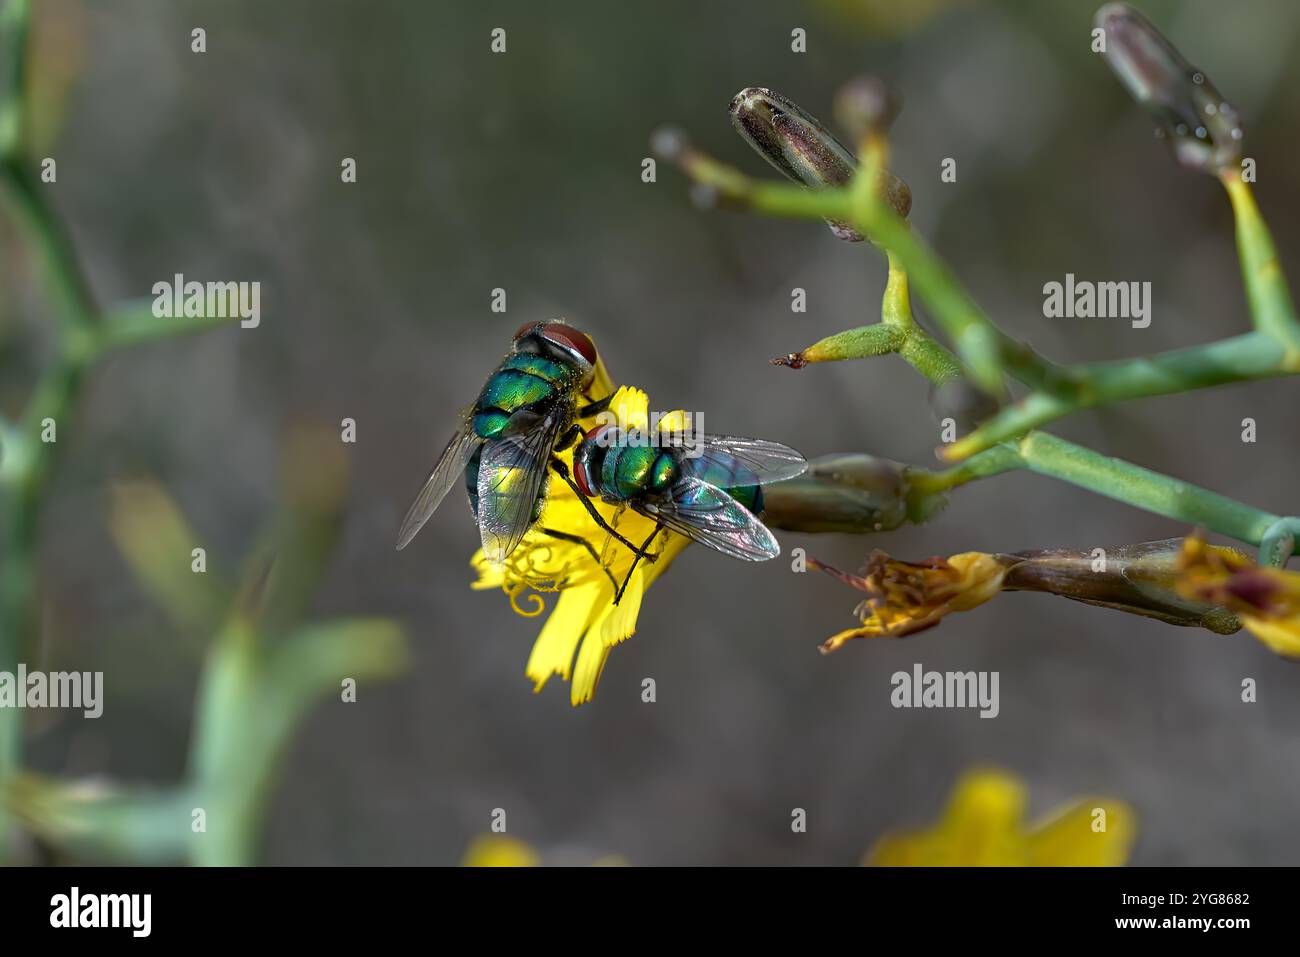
(497, 850)
(905, 598)
(585, 624)
(1267, 600)
(984, 826)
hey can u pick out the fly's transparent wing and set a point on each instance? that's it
(711, 517)
(730, 461)
(511, 471)
(450, 468)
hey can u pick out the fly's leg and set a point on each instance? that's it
(567, 439)
(562, 470)
(618, 595)
(579, 540)
(594, 408)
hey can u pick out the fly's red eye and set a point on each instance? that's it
(523, 330)
(571, 340)
(581, 477)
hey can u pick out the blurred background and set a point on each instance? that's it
(522, 171)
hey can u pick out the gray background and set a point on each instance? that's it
(522, 171)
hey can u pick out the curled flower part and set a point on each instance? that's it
(1203, 131)
(800, 147)
(1267, 600)
(904, 598)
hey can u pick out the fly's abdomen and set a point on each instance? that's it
(471, 487)
(720, 476)
(750, 496)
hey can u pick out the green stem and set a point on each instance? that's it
(55, 394)
(1251, 356)
(1142, 488)
(1114, 478)
(1267, 293)
(14, 18)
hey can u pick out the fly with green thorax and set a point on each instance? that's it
(528, 411)
(706, 488)
(525, 413)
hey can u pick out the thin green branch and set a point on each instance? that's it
(1267, 293)
(1247, 357)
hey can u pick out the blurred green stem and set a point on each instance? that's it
(29, 461)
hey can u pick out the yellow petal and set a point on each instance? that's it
(982, 576)
(497, 850)
(552, 653)
(490, 575)
(620, 623)
(591, 662)
(1282, 635)
(631, 408)
(840, 638)
(675, 421)
(983, 823)
(601, 382)
(1070, 837)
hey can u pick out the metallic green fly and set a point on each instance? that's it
(706, 487)
(527, 410)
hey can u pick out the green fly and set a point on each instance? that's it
(507, 439)
(706, 487)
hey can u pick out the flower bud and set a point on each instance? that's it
(840, 493)
(798, 145)
(1141, 579)
(1202, 130)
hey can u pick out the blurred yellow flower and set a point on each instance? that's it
(904, 597)
(1267, 600)
(498, 850)
(984, 826)
(585, 624)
